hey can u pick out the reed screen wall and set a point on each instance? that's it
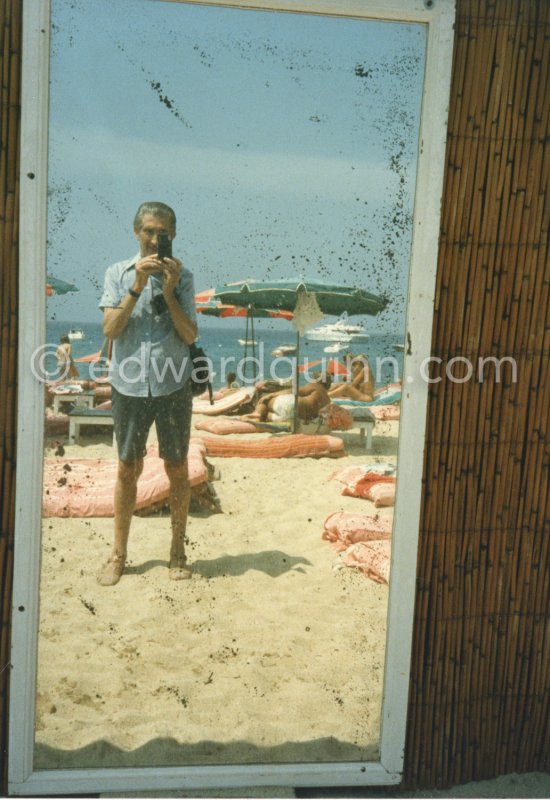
(479, 700)
(10, 71)
(479, 697)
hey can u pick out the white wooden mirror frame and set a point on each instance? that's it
(438, 15)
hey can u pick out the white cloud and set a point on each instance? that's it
(95, 151)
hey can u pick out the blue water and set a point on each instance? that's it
(222, 347)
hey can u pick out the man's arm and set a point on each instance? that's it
(186, 328)
(115, 320)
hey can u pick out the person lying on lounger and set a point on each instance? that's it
(279, 406)
(361, 385)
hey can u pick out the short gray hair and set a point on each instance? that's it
(156, 209)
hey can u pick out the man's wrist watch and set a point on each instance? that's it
(134, 294)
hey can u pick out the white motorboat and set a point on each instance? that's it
(76, 333)
(284, 350)
(248, 342)
(337, 347)
(341, 331)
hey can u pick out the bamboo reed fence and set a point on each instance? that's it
(480, 677)
(480, 681)
(10, 70)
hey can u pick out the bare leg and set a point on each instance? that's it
(180, 494)
(261, 411)
(125, 502)
(346, 390)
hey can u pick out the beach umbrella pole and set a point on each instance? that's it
(296, 375)
(245, 371)
(254, 373)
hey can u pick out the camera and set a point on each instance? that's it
(164, 249)
(159, 304)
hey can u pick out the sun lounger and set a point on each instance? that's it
(363, 419)
(79, 397)
(224, 405)
(87, 416)
(383, 396)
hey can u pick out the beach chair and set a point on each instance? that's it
(88, 416)
(363, 419)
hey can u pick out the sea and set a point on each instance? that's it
(226, 354)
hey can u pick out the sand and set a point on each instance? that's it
(269, 654)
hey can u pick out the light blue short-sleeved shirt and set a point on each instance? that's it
(148, 357)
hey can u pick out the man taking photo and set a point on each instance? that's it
(148, 306)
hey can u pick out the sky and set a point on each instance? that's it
(286, 143)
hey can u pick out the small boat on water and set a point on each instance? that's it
(341, 331)
(284, 350)
(248, 342)
(337, 347)
(399, 348)
(76, 334)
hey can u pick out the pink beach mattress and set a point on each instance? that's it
(363, 541)
(84, 487)
(371, 558)
(295, 445)
(344, 528)
(227, 425)
(370, 485)
(381, 494)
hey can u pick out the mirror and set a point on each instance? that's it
(287, 146)
(287, 143)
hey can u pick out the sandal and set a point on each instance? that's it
(112, 571)
(178, 569)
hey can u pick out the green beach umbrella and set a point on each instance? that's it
(331, 298)
(57, 286)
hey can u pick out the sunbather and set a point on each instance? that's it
(279, 406)
(231, 385)
(361, 385)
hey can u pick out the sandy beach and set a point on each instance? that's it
(271, 653)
